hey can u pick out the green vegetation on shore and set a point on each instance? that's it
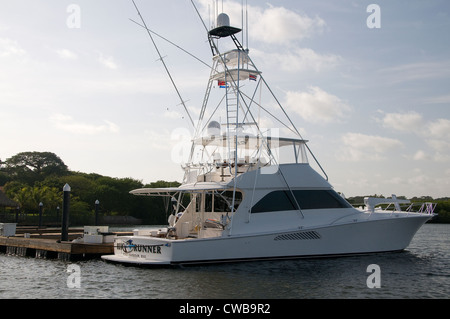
(30, 178)
(33, 177)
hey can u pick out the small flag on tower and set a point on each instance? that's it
(223, 84)
(252, 77)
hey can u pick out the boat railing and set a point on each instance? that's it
(371, 202)
(426, 208)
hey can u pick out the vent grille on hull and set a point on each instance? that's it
(307, 235)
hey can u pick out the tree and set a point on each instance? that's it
(29, 197)
(29, 167)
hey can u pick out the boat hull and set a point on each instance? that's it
(364, 237)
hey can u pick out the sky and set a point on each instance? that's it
(366, 82)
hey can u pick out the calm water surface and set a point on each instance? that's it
(422, 271)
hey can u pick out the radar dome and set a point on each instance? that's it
(213, 128)
(223, 20)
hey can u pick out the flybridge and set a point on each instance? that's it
(237, 63)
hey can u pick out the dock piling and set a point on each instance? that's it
(65, 214)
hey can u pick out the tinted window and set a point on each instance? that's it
(307, 199)
(316, 199)
(278, 200)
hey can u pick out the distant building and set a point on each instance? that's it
(6, 202)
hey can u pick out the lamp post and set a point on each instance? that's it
(97, 203)
(40, 214)
(65, 213)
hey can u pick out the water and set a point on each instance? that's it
(422, 271)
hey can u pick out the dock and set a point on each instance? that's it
(46, 243)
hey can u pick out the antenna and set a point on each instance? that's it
(165, 66)
(246, 21)
(242, 20)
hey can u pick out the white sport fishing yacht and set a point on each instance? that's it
(250, 194)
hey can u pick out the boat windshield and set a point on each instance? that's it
(221, 202)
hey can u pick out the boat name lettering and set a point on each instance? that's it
(129, 247)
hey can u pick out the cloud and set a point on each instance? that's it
(317, 106)
(421, 156)
(107, 61)
(403, 122)
(439, 99)
(66, 54)
(439, 145)
(416, 71)
(362, 147)
(440, 129)
(66, 123)
(172, 114)
(278, 25)
(299, 60)
(158, 140)
(438, 138)
(10, 48)
(436, 133)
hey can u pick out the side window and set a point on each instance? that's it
(274, 201)
(307, 199)
(221, 202)
(317, 199)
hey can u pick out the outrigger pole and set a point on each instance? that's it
(175, 45)
(165, 66)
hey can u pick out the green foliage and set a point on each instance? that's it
(443, 210)
(29, 167)
(30, 178)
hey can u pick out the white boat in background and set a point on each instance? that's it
(250, 194)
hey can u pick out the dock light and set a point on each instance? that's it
(65, 213)
(97, 203)
(40, 214)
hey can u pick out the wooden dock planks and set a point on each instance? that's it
(70, 248)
